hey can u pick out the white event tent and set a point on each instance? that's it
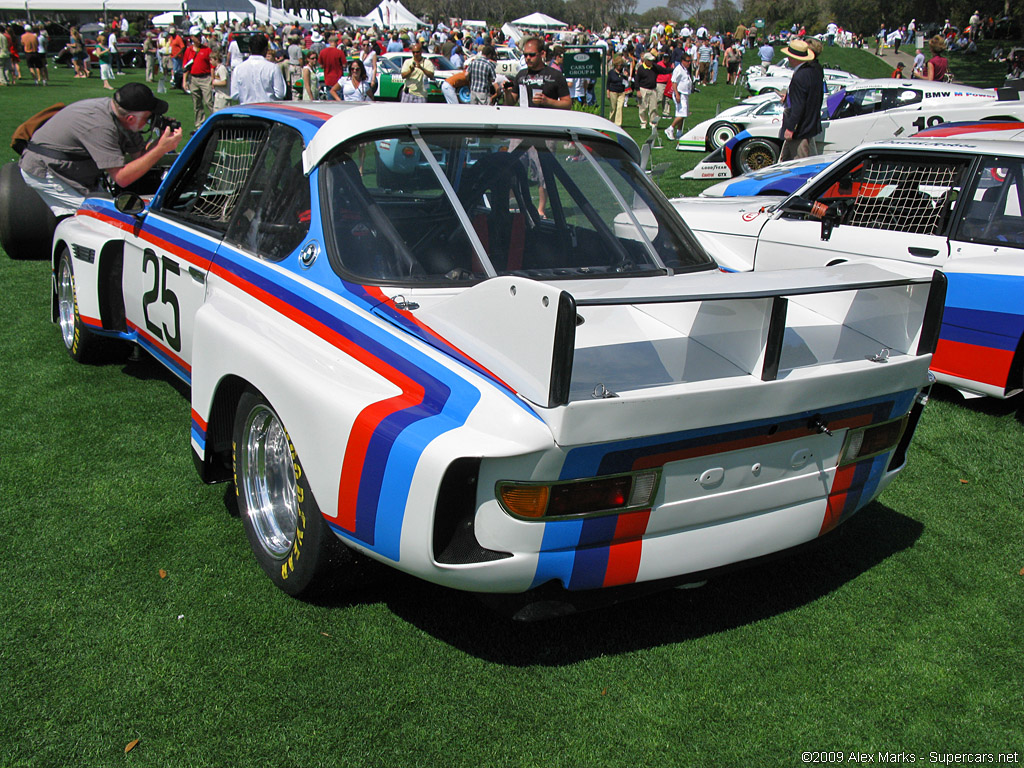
(391, 13)
(99, 6)
(256, 11)
(540, 21)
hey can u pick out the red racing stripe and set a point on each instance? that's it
(363, 429)
(199, 420)
(151, 238)
(969, 361)
(369, 418)
(837, 498)
(626, 549)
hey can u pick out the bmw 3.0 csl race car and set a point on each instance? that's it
(865, 111)
(507, 364)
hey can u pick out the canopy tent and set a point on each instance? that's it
(219, 6)
(99, 6)
(219, 10)
(540, 21)
(354, 21)
(207, 17)
(391, 13)
(262, 12)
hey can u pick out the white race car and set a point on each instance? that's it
(870, 110)
(713, 133)
(509, 61)
(783, 179)
(443, 66)
(436, 365)
(954, 205)
(778, 79)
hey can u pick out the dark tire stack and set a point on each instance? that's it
(26, 222)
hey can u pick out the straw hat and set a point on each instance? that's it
(798, 50)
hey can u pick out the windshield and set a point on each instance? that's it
(447, 207)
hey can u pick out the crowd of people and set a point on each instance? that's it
(32, 45)
(659, 69)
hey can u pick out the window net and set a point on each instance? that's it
(903, 197)
(233, 155)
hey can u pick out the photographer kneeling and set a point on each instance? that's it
(66, 158)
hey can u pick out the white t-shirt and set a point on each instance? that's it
(350, 93)
(682, 87)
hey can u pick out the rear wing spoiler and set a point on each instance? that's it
(524, 332)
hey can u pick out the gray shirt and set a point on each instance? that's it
(88, 128)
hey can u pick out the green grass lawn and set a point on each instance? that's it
(901, 634)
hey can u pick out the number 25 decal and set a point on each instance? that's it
(164, 294)
(932, 121)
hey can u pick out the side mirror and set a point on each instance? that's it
(799, 205)
(130, 203)
(829, 215)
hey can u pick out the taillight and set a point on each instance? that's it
(574, 498)
(870, 441)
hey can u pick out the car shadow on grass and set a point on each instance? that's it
(734, 599)
(989, 406)
(142, 366)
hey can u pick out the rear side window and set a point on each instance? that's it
(273, 212)
(993, 214)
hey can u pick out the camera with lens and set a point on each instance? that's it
(159, 122)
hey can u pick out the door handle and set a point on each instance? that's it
(197, 274)
(924, 253)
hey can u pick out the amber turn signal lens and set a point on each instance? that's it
(525, 500)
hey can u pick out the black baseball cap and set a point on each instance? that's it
(136, 97)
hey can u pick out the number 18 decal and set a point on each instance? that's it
(164, 294)
(932, 121)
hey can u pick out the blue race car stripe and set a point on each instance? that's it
(389, 436)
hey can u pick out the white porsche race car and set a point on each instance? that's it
(778, 79)
(713, 133)
(870, 110)
(763, 108)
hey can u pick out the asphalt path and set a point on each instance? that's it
(906, 55)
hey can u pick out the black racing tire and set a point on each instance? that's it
(719, 133)
(26, 222)
(754, 154)
(288, 536)
(82, 344)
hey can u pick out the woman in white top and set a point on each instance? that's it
(355, 87)
(369, 59)
(310, 78)
(220, 82)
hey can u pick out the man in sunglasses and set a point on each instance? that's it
(538, 85)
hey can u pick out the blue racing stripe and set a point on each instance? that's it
(999, 294)
(401, 438)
